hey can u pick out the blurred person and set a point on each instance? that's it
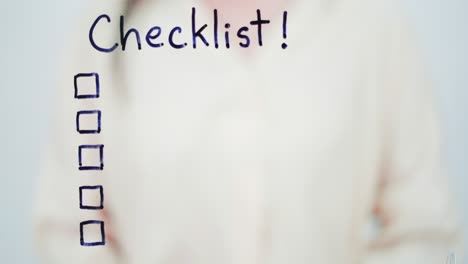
(258, 155)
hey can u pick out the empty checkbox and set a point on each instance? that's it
(86, 85)
(92, 197)
(91, 157)
(92, 233)
(88, 122)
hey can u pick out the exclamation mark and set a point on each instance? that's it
(285, 21)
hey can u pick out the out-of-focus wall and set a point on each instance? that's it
(442, 29)
(33, 34)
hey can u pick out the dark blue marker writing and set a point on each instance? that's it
(99, 148)
(197, 33)
(241, 35)
(259, 22)
(171, 38)
(285, 21)
(226, 35)
(98, 122)
(101, 197)
(150, 37)
(91, 35)
(95, 243)
(96, 93)
(123, 38)
(215, 27)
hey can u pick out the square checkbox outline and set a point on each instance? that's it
(91, 244)
(88, 112)
(97, 84)
(101, 196)
(101, 157)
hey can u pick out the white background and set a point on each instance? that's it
(32, 36)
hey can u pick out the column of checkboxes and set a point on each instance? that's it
(90, 157)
